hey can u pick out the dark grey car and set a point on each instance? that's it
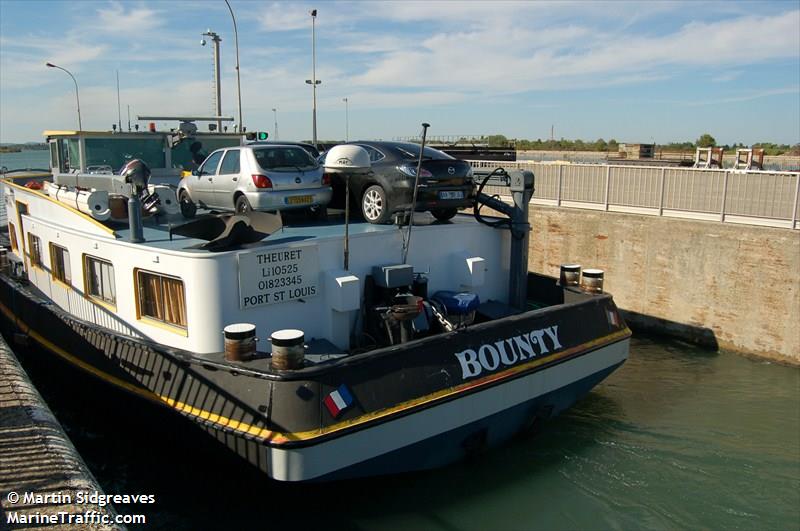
(445, 183)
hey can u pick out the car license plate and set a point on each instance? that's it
(451, 194)
(299, 200)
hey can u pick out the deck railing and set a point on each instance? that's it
(756, 197)
(768, 198)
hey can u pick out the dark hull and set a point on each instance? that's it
(415, 406)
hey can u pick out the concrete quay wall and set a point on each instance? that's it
(37, 458)
(737, 284)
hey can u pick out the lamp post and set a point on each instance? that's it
(238, 79)
(313, 81)
(77, 98)
(346, 120)
(275, 112)
(218, 88)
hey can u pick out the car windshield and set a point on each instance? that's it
(284, 157)
(411, 151)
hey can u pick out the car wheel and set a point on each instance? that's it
(374, 205)
(243, 205)
(443, 214)
(188, 208)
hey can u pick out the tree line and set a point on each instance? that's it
(705, 140)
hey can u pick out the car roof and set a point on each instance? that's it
(309, 148)
(278, 143)
(386, 143)
(392, 146)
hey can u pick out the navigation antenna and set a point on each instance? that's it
(215, 40)
(407, 240)
(119, 110)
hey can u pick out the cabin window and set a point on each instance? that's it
(63, 155)
(12, 234)
(35, 249)
(182, 154)
(59, 258)
(73, 148)
(99, 275)
(161, 298)
(53, 155)
(117, 151)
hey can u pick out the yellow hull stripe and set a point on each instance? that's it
(74, 211)
(276, 437)
(31, 175)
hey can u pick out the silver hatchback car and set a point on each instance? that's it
(260, 177)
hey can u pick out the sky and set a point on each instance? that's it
(631, 71)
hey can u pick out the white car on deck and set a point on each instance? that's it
(256, 177)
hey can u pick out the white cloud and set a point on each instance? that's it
(127, 22)
(368, 43)
(385, 55)
(521, 59)
(746, 97)
(288, 17)
(22, 62)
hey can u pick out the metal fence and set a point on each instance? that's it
(755, 197)
(3, 218)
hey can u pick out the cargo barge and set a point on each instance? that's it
(402, 357)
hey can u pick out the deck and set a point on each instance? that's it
(295, 229)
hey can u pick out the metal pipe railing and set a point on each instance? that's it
(759, 197)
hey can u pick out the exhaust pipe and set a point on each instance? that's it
(136, 174)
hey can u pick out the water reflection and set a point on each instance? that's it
(677, 438)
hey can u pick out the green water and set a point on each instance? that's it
(678, 438)
(37, 159)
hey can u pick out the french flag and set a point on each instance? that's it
(338, 400)
(613, 318)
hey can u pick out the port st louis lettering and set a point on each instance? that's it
(279, 275)
(508, 352)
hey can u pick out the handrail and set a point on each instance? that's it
(757, 197)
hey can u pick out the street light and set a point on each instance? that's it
(77, 98)
(218, 88)
(346, 121)
(238, 79)
(314, 81)
(275, 112)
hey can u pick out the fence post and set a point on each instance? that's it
(661, 192)
(796, 197)
(608, 184)
(724, 196)
(558, 193)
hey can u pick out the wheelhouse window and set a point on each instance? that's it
(59, 258)
(116, 151)
(12, 234)
(53, 155)
(182, 155)
(35, 249)
(73, 154)
(99, 275)
(162, 298)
